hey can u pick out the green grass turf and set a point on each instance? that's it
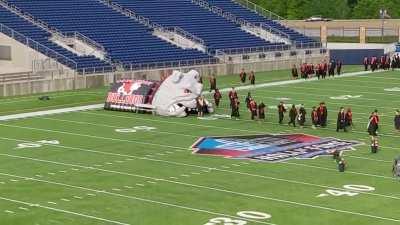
(99, 176)
(21, 104)
(384, 40)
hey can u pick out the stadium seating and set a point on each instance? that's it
(131, 43)
(27, 29)
(216, 31)
(244, 13)
(124, 39)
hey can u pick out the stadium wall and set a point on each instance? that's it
(354, 56)
(25, 59)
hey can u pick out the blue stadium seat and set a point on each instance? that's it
(251, 16)
(216, 31)
(29, 30)
(124, 39)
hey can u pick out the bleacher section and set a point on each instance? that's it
(29, 30)
(244, 13)
(216, 31)
(124, 39)
(131, 43)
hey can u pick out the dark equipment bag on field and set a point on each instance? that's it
(396, 167)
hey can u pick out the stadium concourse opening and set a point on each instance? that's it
(191, 112)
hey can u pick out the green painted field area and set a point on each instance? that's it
(105, 167)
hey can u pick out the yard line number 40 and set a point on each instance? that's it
(249, 215)
(350, 190)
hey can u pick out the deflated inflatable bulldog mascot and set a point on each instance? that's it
(174, 96)
(177, 93)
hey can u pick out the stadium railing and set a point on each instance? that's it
(148, 23)
(127, 67)
(269, 48)
(37, 46)
(240, 21)
(260, 10)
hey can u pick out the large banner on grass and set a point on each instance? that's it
(127, 94)
(271, 147)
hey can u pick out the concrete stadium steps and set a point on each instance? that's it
(18, 77)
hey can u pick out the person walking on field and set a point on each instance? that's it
(252, 78)
(217, 97)
(339, 67)
(242, 76)
(253, 109)
(372, 127)
(397, 121)
(322, 114)
(295, 72)
(301, 117)
(281, 112)
(292, 116)
(341, 120)
(261, 111)
(349, 118)
(235, 108)
(213, 83)
(314, 117)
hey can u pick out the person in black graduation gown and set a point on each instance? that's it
(397, 120)
(341, 120)
(322, 114)
(292, 116)
(281, 112)
(252, 78)
(301, 117)
(261, 111)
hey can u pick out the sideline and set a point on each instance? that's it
(246, 87)
(50, 112)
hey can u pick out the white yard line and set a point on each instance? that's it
(154, 201)
(150, 159)
(62, 211)
(218, 127)
(214, 189)
(93, 136)
(52, 96)
(99, 106)
(80, 122)
(189, 184)
(50, 112)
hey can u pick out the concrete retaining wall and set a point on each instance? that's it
(100, 80)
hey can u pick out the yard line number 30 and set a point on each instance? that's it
(249, 215)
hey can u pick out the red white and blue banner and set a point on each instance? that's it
(270, 147)
(127, 94)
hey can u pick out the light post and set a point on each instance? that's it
(382, 14)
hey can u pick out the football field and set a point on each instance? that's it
(106, 167)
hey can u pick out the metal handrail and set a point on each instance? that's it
(49, 28)
(267, 49)
(126, 67)
(37, 46)
(260, 10)
(274, 30)
(184, 33)
(79, 36)
(152, 25)
(240, 21)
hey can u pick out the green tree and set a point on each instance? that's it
(367, 9)
(295, 9)
(336, 9)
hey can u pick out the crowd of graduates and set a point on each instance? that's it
(297, 115)
(384, 62)
(320, 70)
